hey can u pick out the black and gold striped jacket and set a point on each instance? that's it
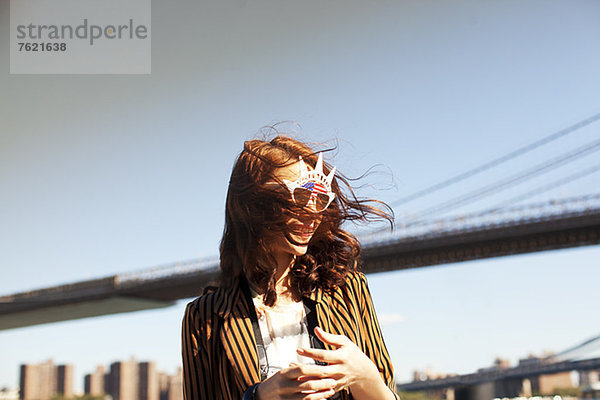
(219, 349)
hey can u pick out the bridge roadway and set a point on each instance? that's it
(518, 372)
(161, 287)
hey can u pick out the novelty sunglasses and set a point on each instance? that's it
(303, 194)
(312, 185)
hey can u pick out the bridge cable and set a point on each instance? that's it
(438, 224)
(512, 180)
(568, 354)
(545, 188)
(497, 161)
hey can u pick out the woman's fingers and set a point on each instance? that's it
(309, 371)
(328, 356)
(317, 385)
(319, 395)
(325, 394)
(330, 338)
(304, 382)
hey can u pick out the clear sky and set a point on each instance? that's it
(101, 175)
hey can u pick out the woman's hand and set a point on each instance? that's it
(290, 383)
(348, 365)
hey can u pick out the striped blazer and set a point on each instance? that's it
(219, 353)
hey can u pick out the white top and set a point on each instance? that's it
(283, 329)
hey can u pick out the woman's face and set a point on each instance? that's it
(299, 230)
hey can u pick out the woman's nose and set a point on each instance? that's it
(312, 203)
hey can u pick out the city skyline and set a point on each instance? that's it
(133, 380)
(430, 372)
(123, 380)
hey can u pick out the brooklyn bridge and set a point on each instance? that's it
(433, 236)
(514, 230)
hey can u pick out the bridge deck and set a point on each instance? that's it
(161, 287)
(519, 372)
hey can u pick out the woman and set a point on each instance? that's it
(291, 318)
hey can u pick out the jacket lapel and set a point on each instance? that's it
(238, 339)
(319, 306)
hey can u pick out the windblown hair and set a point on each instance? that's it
(254, 209)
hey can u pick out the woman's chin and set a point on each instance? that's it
(299, 244)
(300, 250)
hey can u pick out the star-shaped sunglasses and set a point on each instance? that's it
(303, 194)
(312, 185)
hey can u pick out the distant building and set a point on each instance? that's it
(530, 360)
(45, 380)
(37, 381)
(545, 358)
(499, 364)
(123, 380)
(589, 378)
(94, 383)
(176, 386)
(429, 374)
(130, 380)
(64, 380)
(591, 391)
(163, 385)
(148, 385)
(170, 386)
(9, 394)
(550, 382)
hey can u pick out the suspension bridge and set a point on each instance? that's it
(503, 381)
(430, 236)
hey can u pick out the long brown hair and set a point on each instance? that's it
(252, 208)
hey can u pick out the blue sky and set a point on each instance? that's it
(107, 174)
